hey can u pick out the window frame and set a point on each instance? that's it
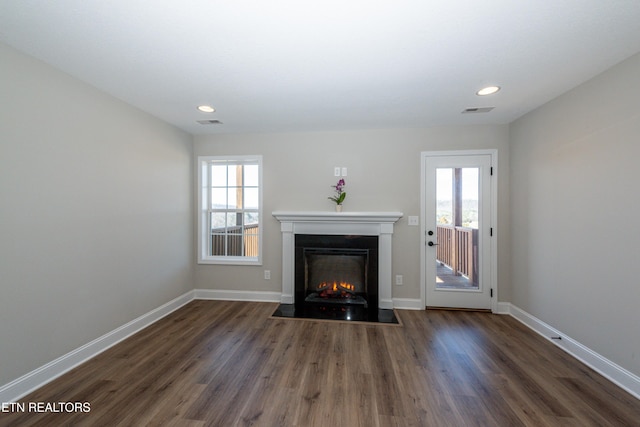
(204, 210)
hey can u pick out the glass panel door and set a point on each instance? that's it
(457, 226)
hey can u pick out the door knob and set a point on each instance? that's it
(432, 244)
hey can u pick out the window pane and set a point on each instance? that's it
(470, 197)
(251, 176)
(444, 196)
(250, 218)
(218, 220)
(232, 198)
(251, 198)
(251, 240)
(232, 219)
(218, 198)
(218, 244)
(219, 175)
(233, 173)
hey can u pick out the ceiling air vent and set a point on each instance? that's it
(477, 110)
(210, 122)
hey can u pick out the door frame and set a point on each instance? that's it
(493, 239)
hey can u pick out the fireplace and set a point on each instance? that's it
(344, 239)
(336, 272)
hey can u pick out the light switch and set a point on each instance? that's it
(336, 171)
(344, 171)
(414, 220)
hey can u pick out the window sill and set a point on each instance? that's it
(231, 261)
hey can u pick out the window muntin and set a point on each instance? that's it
(231, 210)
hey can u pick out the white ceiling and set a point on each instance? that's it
(291, 65)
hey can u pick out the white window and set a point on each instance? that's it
(230, 205)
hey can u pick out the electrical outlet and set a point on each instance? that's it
(399, 279)
(344, 171)
(336, 171)
(267, 275)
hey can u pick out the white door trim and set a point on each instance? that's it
(493, 273)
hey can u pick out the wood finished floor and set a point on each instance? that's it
(218, 363)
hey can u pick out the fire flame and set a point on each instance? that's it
(336, 289)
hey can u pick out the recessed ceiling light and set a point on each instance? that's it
(206, 108)
(489, 90)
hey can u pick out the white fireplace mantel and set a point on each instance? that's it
(338, 223)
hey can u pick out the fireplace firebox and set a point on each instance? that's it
(336, 274)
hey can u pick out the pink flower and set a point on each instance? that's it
(340, 194)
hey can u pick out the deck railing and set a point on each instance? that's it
(458, 250)
(238, 241)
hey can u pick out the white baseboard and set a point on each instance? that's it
(407, 304)
(254, 296)
(503, 308)
(615, 373)
(35, 379)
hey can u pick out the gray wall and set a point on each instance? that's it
(96, 222)
(575, 211)
(383, 175)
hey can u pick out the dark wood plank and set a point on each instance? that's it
(218, 363)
